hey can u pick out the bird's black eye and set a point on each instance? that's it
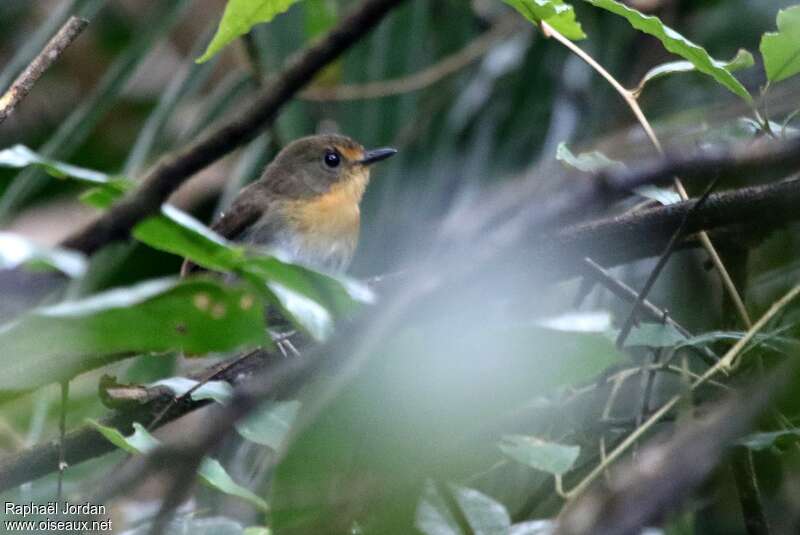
(332, 159)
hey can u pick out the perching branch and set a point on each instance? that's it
(174, 169)
(49, 54)
(609, 241)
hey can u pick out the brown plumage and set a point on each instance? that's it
(305, 203)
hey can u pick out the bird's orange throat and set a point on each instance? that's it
(333, 216)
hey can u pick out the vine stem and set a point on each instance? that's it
(633, 104)
(725, 363)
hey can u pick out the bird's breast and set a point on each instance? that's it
(324, 230)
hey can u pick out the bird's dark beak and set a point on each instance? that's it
(376, 155)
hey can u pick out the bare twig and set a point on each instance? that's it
(174, 169)
(662, 262)
(49, 54)
(422, 79)
(724, 363)
(633, 104)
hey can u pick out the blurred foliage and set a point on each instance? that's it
(457, 422)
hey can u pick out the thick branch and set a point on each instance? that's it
(642, 234)
(49, 54)
(174, 169)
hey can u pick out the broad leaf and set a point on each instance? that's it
(211, 472)
(139, 442)
(313, 299)
(556, 13)
(269, 425)
(652, 335)
(219, 391)
(16, 251)
(781, 49)
(20, 156)
(60, 341)
(588, 162)
(742, 60)
(550, 457)
(484, 515)
(763, 441)
(597, 162)
(677, 44)
(239, 17)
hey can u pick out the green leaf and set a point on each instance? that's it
(677, 44)
(16, 251)
(312, 299)
(652, 335)
(219, 391)
(764, 441)
(106, 188)
(781, 49)
(556, 13)
(20, 156)
(104, 196)
(587, 162)
(139, 442)
(213, 474)
(660, 195)
(742, 60)
(257, 530)
(62, 340)
(269, 425)
(210, 472)
(484, 515)
(239, 17)
(550, 457)
(596, 162)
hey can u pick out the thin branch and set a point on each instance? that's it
(633, 104)
(174, 169)
(419, 80)
(724, 363)
(662, 262)
(49, 54)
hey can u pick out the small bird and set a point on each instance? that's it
(306, 202)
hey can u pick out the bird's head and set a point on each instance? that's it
(315, 166)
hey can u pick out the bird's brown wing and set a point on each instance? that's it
(230, 226)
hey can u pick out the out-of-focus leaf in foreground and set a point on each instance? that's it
(57, 342)
(269, 425)
(313, 299)
(764, 441)
(439, 387)
(556, 13)
(677, 44)
(211, 472)
(20, 156)
(239, 17)
(484, 515)
(781, 49)
(16, 251)
(550, 457)
(105, 188)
